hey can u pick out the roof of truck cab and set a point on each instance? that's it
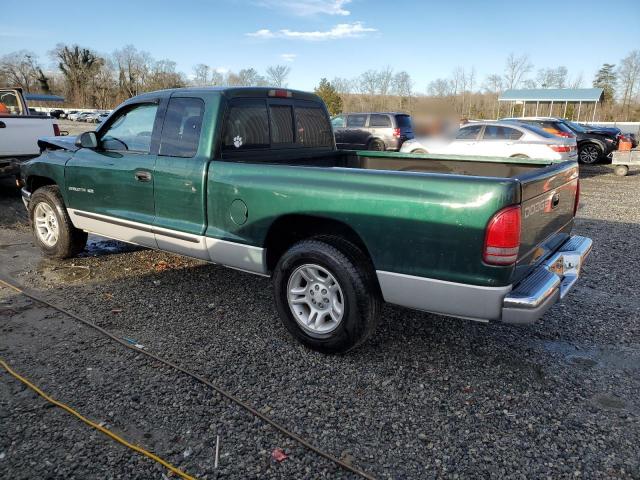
(230, 92)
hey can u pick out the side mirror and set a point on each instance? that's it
(87, 140)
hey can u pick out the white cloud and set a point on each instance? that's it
(288, 57)
(309, 7)
(342, 30)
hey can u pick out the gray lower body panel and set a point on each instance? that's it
(523, 303)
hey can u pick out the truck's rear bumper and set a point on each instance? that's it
(547, 284)
(522, 303)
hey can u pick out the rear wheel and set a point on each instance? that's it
(520, 155)
(376, 145)
(589, 153)
(326, 294)
(52, 228)
(419, 150)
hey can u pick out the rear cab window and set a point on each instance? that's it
(10, 104)
(273, 124)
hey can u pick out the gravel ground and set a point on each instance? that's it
(427, 396)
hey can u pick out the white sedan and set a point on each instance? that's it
(497, 139)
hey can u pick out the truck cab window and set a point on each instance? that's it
(246, 126)
(182, 126)
(313, 127)
(9, 104)
(131, 130)
(281, 124)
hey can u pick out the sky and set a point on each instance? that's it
(335, 38)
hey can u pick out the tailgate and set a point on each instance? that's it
(548, 200)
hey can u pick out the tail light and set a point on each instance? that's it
(560, 148)
(56, 130)
(576, 200)
(560, 133)
(396, 132)
(502, 237)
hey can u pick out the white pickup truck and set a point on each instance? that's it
(19, 131)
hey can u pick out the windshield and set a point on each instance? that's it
(575, 127)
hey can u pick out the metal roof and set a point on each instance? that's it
(37, 97)
(552, 95)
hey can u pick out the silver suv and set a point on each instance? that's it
(372, 131)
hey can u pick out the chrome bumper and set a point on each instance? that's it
(549, 283)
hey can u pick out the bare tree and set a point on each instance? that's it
(403, 87)
(164, 75)
(493, 84)
(201, 74)
(629, 78)
(20, 69)
(440, 87)
(79, 67)
(133, 68)
(277, 75)
(515, 69)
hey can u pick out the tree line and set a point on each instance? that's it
(88, 79)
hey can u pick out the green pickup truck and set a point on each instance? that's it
(250, 178)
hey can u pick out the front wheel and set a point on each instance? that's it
(326, 294)
(621, 170)
(52, 228)
(589, 153)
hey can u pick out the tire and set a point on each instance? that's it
(376, 145)
(589, 153)
(621, 170)
(421, 151)
(519, 155)
(49, 215)
(357, 294)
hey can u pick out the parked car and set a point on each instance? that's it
(57, 113)
(593, 146)
(19, 131)
(497, 139)
(93, 117)
(372, 131)
(257, 191)
(611, 130)
(85, 117)
(74, 114)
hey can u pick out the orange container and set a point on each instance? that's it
(624, 144)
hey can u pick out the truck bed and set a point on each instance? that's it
(411, 162)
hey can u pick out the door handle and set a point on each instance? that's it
(143, 176)
(3, 125)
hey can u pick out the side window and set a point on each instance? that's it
(356, 121)
(9, 104)
(313, 127)
(468, 133)
(377, 120)
(511, 133)
(338, 122)
(246, 126)
(281, 124)
(131, 130)
(181, 129)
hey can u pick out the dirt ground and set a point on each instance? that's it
(427, 396)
